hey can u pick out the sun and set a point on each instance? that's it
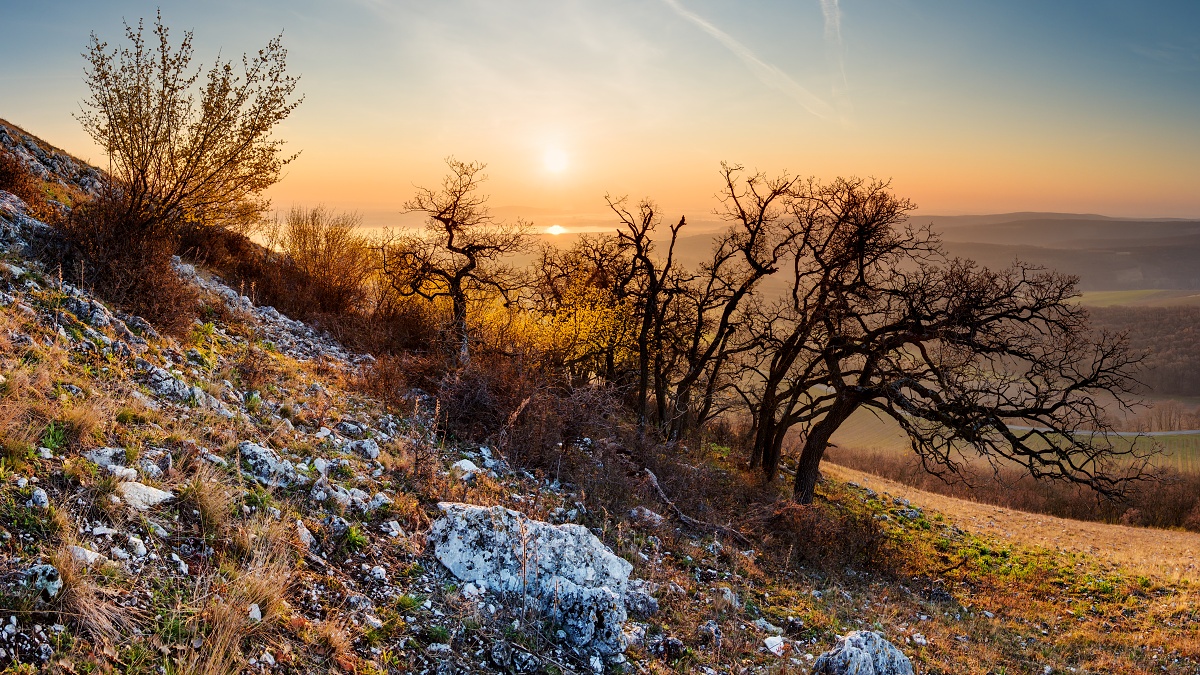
(555, 160)
(556, 230)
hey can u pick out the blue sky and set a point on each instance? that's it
(969, 107)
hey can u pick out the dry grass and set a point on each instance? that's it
(224, 603)
(1167, 501)
(209, 492)
(87, 606)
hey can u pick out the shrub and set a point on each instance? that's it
(16, 178)
(116, 250)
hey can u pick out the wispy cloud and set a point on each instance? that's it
(767, 73)
(833, 39)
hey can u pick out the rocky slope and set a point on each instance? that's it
(232, 501)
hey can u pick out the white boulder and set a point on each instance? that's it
(863, 653)
(564, 570)
(142, 497)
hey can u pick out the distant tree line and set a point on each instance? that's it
(1170, 337)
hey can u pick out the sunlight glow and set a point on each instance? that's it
(555, 160)
(556, 230)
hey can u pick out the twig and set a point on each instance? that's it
(953, 567)
(688, 520)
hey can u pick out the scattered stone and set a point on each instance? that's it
(350, 430)
(467, 467)
(86, 556)
(367, 447)
(122, 473)
(728, 597)
(337, 526)
(768, 627)
(163, 384)
(254, 614)
(39, 499)
(45, 580)
(267, 468)
(638, 599)
(137, 547)
(105, 457)
(710, 633)
(778, 646)
(863, 653)
(644, 516)
(379, 501)
(303, 534)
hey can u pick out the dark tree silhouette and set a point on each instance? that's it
(967, 361)
(462, 251)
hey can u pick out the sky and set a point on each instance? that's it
(1083, 106)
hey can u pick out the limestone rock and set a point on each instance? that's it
(267, 467)
(563, 569)
(39, 499)
(104, 457)
(45, 580)
(86, 556)
(367, 447)
(863, 653)
(142, 497)
(164, 384)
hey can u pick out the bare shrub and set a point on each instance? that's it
(181, 147)
(16, 178)
(823, 536)
(126, 260)
(322, 248)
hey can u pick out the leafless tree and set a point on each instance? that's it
(715, 305)
(461, 252)
(655, 285)
(967, 361)
(181, 148)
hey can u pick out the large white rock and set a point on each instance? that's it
(564, 570)
(863, 653)
(142, 497)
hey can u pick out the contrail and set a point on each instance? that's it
(833, 20)
(768, 74)
(833, 38)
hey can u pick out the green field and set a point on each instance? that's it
(867, 432)
(1141, 298)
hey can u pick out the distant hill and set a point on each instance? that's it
(1108, 254)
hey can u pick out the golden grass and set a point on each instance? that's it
(87, 606)
(224, 615)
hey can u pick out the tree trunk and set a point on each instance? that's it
(807, 470)
(460, 326)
